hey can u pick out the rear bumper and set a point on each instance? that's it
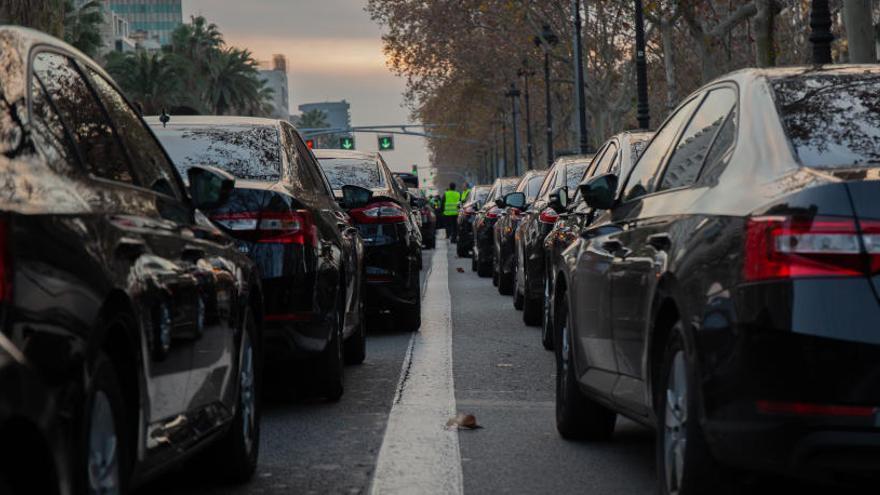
(285, 341)
(466, 232)
(392, 275)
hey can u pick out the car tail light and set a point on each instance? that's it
(779, 247)
(808, 409)
(514, 212)
(549, 215)
(382, 212)
(5, 263)
(871, 238)
(469, 211)
(493, 213)
(290, 227)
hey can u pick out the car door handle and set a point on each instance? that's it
(191, 252)
(128, 247)
(660, 242)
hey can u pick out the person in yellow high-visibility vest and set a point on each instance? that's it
(451, 199)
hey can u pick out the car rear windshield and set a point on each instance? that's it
(508, 185)
(247, 152)
(352, 172)
(574, 173)
(832, 120)
(478, 195)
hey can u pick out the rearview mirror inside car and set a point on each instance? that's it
(599, 192)
(209, 187)
(355, 196)
(559, 199)
(515, 200)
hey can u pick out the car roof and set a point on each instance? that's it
(353, 154)
(212, 120)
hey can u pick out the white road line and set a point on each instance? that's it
(419, 455)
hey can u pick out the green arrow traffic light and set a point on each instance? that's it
(346, 143)
(386, 143)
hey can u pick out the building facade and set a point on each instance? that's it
(274, 75)
(154, 19)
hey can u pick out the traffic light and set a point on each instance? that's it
(310, 143)
(386, 143)
(346, 143)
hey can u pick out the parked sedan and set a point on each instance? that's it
(393, 244)
(535, 224)
(484, 223)
(728, 295)
(141, 317)
(466, 214)
(617, 156)
(284, 216)
(504, 265)
(428, 225)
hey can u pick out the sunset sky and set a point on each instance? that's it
(334, 52)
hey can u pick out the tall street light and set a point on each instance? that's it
(580, 95)
(643, 114)
(820, 35)
(547, 40)
(514, 95)
(525, 72)
(503, 168)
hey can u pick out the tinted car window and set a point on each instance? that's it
(48, 131)
(832, 120)
(687, 159)
(150, 166)
(533, 187)
(604, 165)
(574, 173)
(641, 179)
(547, 184)
(250, 152)
(719, 155)
(352, 172)
(83, 115)
(508, 185)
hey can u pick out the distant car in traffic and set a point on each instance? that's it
(617, 155)
(428, 224)
(534, 225)
(283, 215)
(140, 316)
(504, 260)
(466, 214)
(382, 213)
(411, 181)
(484, 223)
(728, 294)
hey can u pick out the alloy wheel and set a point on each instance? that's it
(247, 392)
(675, 422)
(103, 461)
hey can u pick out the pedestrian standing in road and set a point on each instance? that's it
(451, 200)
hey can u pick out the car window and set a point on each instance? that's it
(83, 115)
(574, 173)
(832, 120)
(48, 131)
(353, 171)
(719, 154)
(604, 165)
(533, 187)
(250, 152)
(547, 185)
(693, 145)
(151, 168)
(641, 179)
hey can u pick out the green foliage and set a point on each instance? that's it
(313, 119)
(148, 78)
(82, 26)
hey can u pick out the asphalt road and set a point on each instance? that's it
(501, 375)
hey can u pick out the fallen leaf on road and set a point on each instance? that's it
(504, 365)
(460, 270)
(462, 420)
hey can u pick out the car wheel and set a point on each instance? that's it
(105, 445)
(331, 362)
(474, 263)
(505, 281)
(236, 454)
(517, 293)
(577, 416)
(461, 251)
(495, 272)
(483, 269)
(356, 346)
(546, 318)
(684, 464)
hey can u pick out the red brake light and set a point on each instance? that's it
(381, 212)
(493, 213)
(549, 215)
(778, 247)
(291, 227)
(807, 409)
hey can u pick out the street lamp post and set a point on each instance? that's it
(820, 35)
(580, 95)
(514, 95)
(547, 40)
(642, 110)
(503, 169)
(525, 72)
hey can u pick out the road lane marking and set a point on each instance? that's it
(418, 454)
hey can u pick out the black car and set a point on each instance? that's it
(284, 216)
(617, 156)
(428, 223)
(466, 214)
(504, 261)
(484, 223)
(141, 317)
(534, 225)
(411, 181)
(729, 294)
(393, 244)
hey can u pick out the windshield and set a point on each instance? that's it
(352, 172)
(478, 195)
(574, 173)
(533, 187)
(832, 120)
(247, 152)
(508, 185)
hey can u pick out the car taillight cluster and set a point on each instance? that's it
(493, 213)
(290, 227)
(382, 212)
(779, 247)
(549, 215)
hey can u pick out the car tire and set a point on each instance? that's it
(356, 346)
(460, 250)
(546, 318)
(410, 315)
(505, 282)
(474, 263)
(483, 269)
(331, 363)
(517, 295)
(532, 307)
(105, 446)
(235, 455)
(680, 436)
(578, 417)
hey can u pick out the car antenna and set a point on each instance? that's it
(164, 118)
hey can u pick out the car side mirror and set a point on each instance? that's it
(515, 200)
(558, 199)
(355, 196)
(599, 192)
(209, 187)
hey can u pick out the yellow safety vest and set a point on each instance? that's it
(465, 194)
(450, 203)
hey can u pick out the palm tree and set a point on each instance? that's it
(82, 25)
(313, 119)
(233, 83)
(147, 78)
